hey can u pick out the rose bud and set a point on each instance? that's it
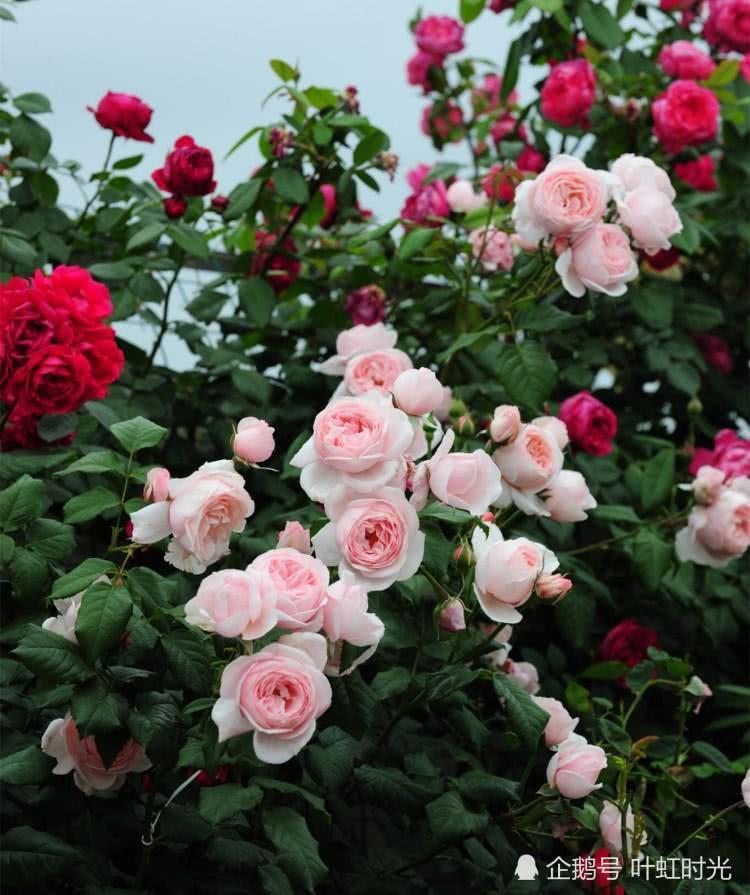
(452, 616)
(560, 724)
(700, 690)
(506, 423)
(174, 207)
(552, 587)
(157, 484)
(253, 442)
(418, 391)
(707, 484)
(220, 204)
(296, 537)
(465, 425)
(574, 769)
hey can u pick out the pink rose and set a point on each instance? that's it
(253, 442)
(745, 67)
(428, 204)
(720, 532)
(569, 93)
(574, 769)
(439, 35)
(685, 115)
(346, 619)
(683, 59)
(728, 25)
(278, 693)
(233, 603)
(62, 742)
(531, 460)
(357, 442)
(731, 454)
(560, 724)
(366, 305)
(418, 69)
(157, 484)
(556, 427)
(201, 513)
(377, 539)
(651, 219)
(715, 352)
(699, 173)
(452, 617)
(531, 160)
(599, 259)
(506, 423)
(375, 371)
(707, 484)
(360, 339)
(552, 587)
(444, 121)
(524, 674)
(124, 115)
(443, 410)
(592, 426)
(610, 826)
(566, 198)
(417, 392)
(492, 247)
(298, 582)
(296, 537)
(567, 497)
(486, 97)
(506, 572)
(637, 171)
(462, 198)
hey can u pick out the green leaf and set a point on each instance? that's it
(146, 235)
(257, 299)
(724, 73)
(657, 480)
(471, 9)
(600, 25)
(290, 185)
(189, 240)
(714, 755)
(30, 138)
(17, 250)
(683, 376)
(189, 659)
(526, 718)
(242, 198)
(31, 857)
(53, 426)
(450, 819)
(51, 656)
(615, 512)
(605, 671)
(390, 788)
(78, 579)
(30, 765)
(370, 146)
(218, 803)
(111, 270)
(373, 233)
(7, 547)
(479, 786)
(391, 682)
(20, 503)
(700, 317)
(654, 305)
(463, 341)
(285, 71)
(95, 462)
(321, 98)
(102, 619)
(415, 240)
(690, 237)
(96, 709)
(652, 556)
(510, 73)
(130, 161)
(50, 538)
(234, 853)
(32, 103)
(28, 574)
(445, 514)
(297, 850)
(90, 504)
(138, 433)
(527, 373)
(274, 880)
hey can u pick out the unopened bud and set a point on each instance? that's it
(451, 616)
(465, 425)
(695, 406)
(463, 555)
(552, 587)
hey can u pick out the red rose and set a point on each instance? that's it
(283, 268)
(89, 299)
(715, 352)
(501, 5)
(505, 126)
(328, 191)
(728, 25)
(220, 203)
(663, 259)
(55, 379)
(444, 121)
(628, 642)
(366, 305)
(439, 35)
(602, 884)
(418, 69)
(428, 202)
(174, 207)
(700, 173)
(500, 183)
(686, 114)
(124, 115)
(188, 170)
(531, 160)
(569, 93)
(97, 344)
(731, 454)
(683, 59)
(591, 425)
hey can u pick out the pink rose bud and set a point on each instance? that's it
(556, 426)
(560, 724)
(465, 425)
(296, 537)
(220, 203)
(488, 517)
(452, 616)
(463, 555)
(506, 423)
(157, 484)
(553, 587)
(569, 93)
(574, 769)
(462, 198)
(253, 442)
(524, 674)
(610, 826)
(707, 484)
(418, 391)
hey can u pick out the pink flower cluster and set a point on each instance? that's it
(436, 38)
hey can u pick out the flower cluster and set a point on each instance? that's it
(56, 352)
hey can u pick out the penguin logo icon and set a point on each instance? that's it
(526, 868)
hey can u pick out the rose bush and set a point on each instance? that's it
(436, 555)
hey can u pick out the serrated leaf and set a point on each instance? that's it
(51, 656)
(102, 619)
(80, 578)
(31, 857)
(96, 710)
(138, 433)
(291, 185)
(415, 241)
(241, 198)
(51, 539)
(28, 574)
(657, 480)
(653, 556)
(527, 373)
(526, 718)
(20, 503)
(90, 504)
(146, 235)
(218, 803)
(96, 462)
(32, 103)
(189, 659)
(257, 299)
(450, 819)
(189, 240)
(296, 848)
(30, 765)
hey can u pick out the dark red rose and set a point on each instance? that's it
(97, 344)
(531, 159)
(602, 884)
(663, 259)
(628, 642)
(366, 305)
(715, 352)
(501, 182)
(206, 778)
(188, 170)
(220, 204)
(328, 191)
(283, 268)
(124, 115)
(174, 207)
(55, 379)
(592, 426)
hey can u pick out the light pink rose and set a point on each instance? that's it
(296, 537)
(566, 198)
(278, 693)
(567, 497)
(61, 741)
(299, 583)
(720, 532)
(452, 617)
(556, 426)
(492, 247)
(346, 618)
(531, 460)
(358, 340)
(524, 674)
(418, 391)
(599, 259)
(463, 199)
(157, 484)
(560, 724)
(358, 442)
(506, 423)
(610, 826)
(375, 371)
(68, 608)
(707, 484)
(443, 410)
(553, 587)
(201, 513)
(253, 442)
(639, 172)
(377, 538)
(574, 769)
(506, 572)
(233, 603)
(650, 217)
(745, 787)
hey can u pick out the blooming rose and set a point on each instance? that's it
(567, 497)
(418, 69)
(556, 427)
(650, 217)
(281, 266)
(428, 204)
(628, 642)
(566, 198)
(574, 769)
(492, 247)
(592, 426)
(278, 693)
(700, 173)
(486, 97)
(610, 826)
(61, 741)
(124, 115)
(524, 674)
(683, 59)
(506, 572)
(57, 379)
(731, 454)
(233, 603)
(462, 198)
(501, 181)
(452, 617)
(637, 172)
(506, 423)
(376, 538)
(707, 484)
(366, 305)
(569, 93)
(375, 371)
(439, 35)
(296, 537)
(599, 259)
(728, 25)
(188, 170)
(157, 484)
(202, 512)
(298, 582)
(360, 339)
(560, 724)
(745, 67)
(253, 442)
(418, 391)
(531, 460)
(720, 532)
(715, 352)
(346, 618)
(685, 115)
